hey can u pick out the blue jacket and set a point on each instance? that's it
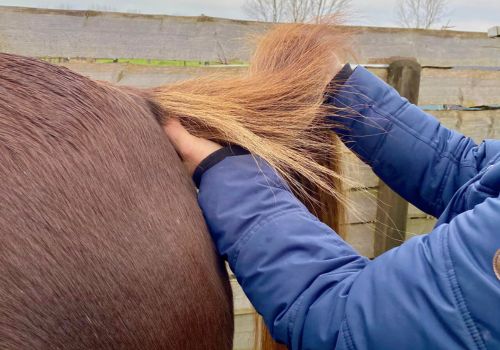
(436, 291)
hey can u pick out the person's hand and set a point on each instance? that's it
(193, 150)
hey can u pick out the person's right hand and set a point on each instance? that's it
(193, 150)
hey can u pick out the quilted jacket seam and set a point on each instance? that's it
(347, 335)
(381, 143)
(458, 296)
(256, 227)
(438, 205)
(428, 142)
(293, 317)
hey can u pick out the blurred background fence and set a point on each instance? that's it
(459, 84)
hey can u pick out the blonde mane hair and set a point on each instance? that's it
(276, 110)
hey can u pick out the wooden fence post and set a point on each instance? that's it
(392, 210)
(263, 339)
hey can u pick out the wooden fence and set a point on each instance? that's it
(459, 84)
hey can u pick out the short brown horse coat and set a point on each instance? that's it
(102, 242)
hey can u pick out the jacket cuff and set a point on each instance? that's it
(343, 75)
(215, 158)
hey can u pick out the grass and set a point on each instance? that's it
(147, 62)
(167, 63)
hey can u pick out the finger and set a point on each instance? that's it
(178, 135)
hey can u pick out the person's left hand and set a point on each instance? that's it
(193, 150)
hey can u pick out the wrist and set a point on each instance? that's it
(215, 158)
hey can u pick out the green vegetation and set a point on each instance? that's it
(146, 62)
(168, 63)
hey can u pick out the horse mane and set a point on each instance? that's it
(276, 110)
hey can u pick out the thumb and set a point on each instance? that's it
(193, 150)
(181, 139)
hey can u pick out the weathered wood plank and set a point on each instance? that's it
(418, 226)
(478, 128)
(449, 119)
(241, 303)
(495, 126)
(460, 87)
(430, 47)
(362, 238)
(143, 76)
(414, 212)
(244, 335)
(245, 320)
(362, 206)
(359, 174)
(479, 125)
(379, 72)
(58, 33)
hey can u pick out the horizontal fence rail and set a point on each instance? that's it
(104, 35)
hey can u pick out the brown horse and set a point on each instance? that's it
(103, 245)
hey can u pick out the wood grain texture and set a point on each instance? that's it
(466, 88)
(60, 33)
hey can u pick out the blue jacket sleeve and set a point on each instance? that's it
(287, 262)
(436, 291)
(407, 148)
(314, 291)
